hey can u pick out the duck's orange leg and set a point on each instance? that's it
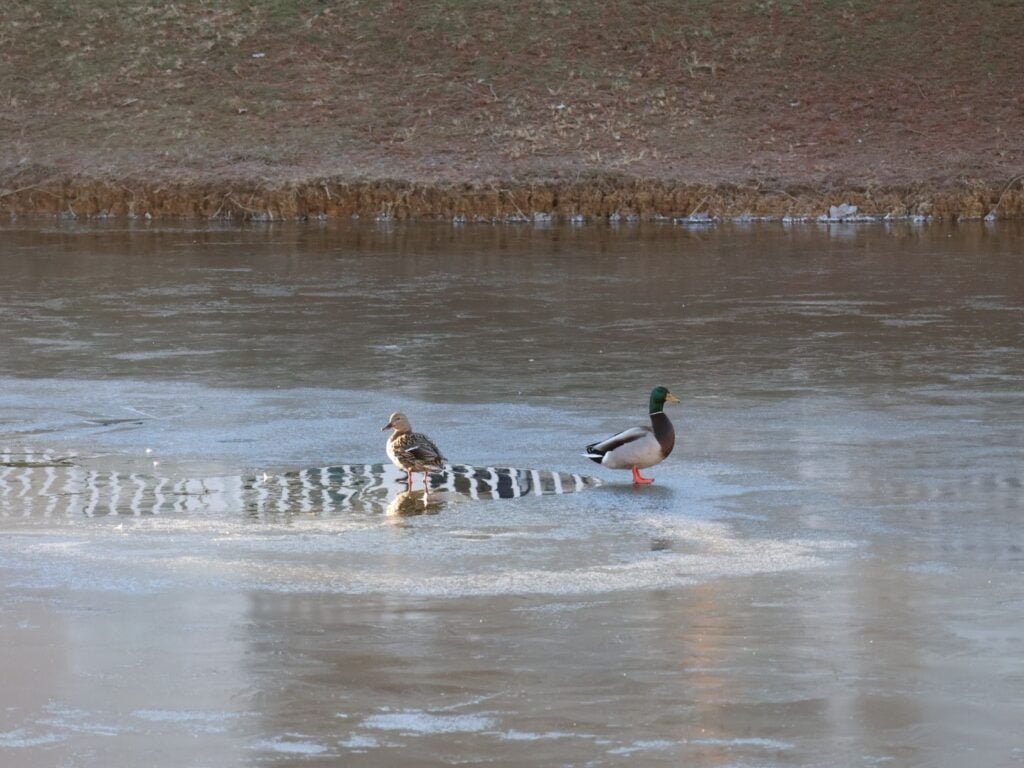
(639, 479)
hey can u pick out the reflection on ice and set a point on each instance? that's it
(410, 503)
(43, 484)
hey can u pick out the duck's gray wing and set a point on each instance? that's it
(617, 440)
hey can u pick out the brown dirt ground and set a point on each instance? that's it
(280, 108)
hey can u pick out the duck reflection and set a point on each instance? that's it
(412, 503)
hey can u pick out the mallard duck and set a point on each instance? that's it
(411, 451)
(639, 447)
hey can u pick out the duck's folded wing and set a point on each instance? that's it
(422, 450)
(620, 439)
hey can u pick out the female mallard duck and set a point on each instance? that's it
(639, 447)
(411, 451)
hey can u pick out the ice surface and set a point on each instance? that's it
(206, 560)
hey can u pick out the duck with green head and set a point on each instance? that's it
(639, 447)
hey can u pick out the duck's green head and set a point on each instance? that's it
(660, 396)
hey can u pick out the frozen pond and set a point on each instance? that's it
(206, 559)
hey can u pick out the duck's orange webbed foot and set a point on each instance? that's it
(639, 479)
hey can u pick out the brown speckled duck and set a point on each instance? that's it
(639, 447)
(411, 451)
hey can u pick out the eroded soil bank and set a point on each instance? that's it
(647, 108)
(598, 198)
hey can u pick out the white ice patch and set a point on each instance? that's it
(772, 744)
(358, 742)
(22, 739)
(417, 722)
(79, 721)
(291, 744)
(643, 746)
(178, 716)
(929, 569)
(202, 722)
(514, 735)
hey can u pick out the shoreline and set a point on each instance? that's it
(609, 198)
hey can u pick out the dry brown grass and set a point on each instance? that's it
(771, 95)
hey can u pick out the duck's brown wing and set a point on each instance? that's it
(417, 448)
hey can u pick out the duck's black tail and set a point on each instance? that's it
(594, 453)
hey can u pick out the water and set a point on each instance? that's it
(206, 563)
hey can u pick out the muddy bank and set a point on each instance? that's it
(606, 197)
(434, 109)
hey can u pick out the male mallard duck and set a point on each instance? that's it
(639, 447)
(411, 451)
